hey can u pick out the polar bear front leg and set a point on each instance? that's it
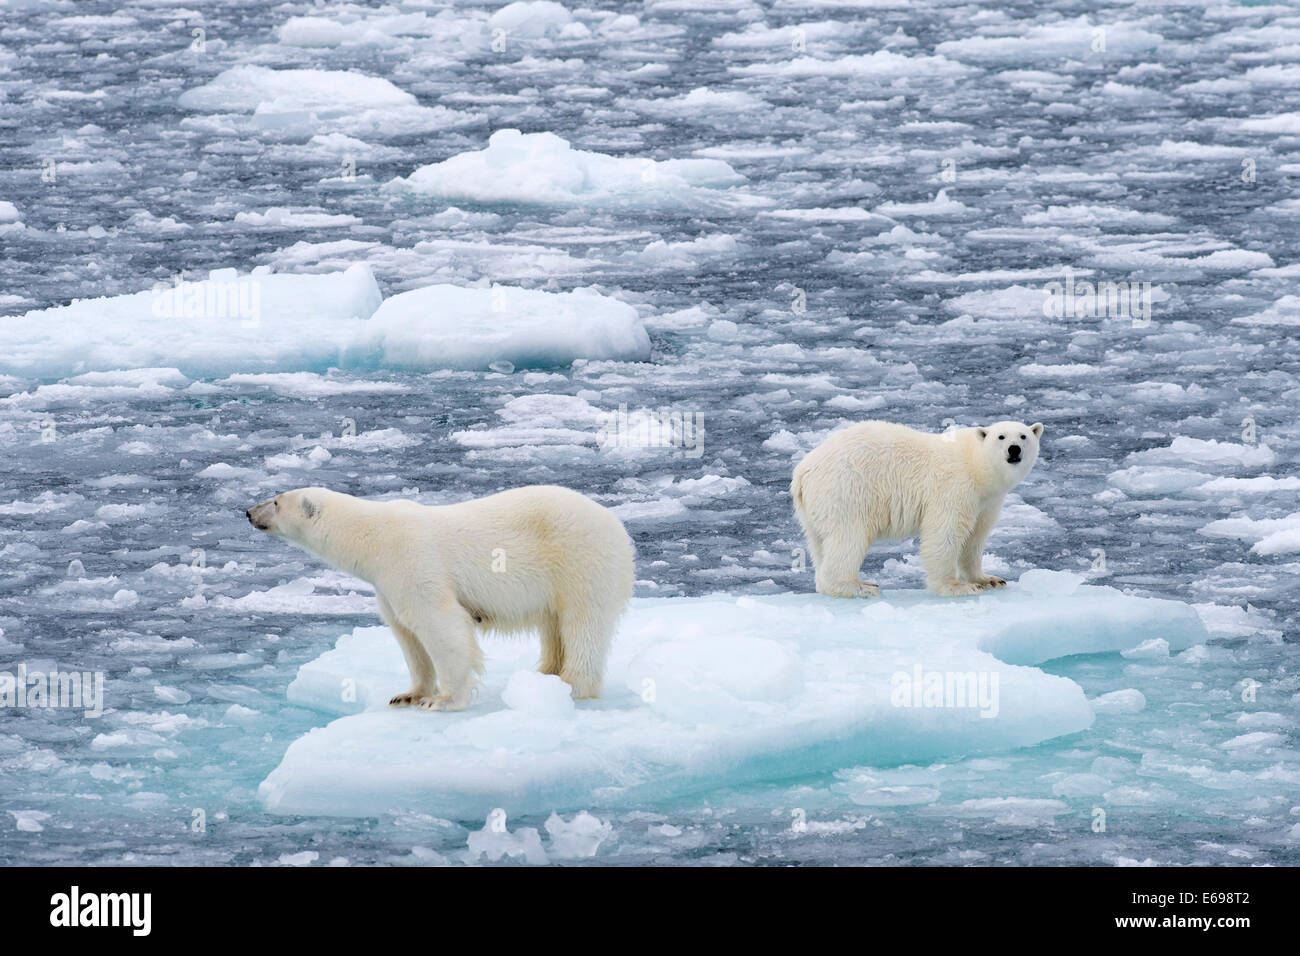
(423, 677)
(972, 552)
(447, 635)
(942, 539)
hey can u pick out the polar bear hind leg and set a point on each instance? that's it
(552, 661)
(586, 635)
(814, 545)
(836, 570)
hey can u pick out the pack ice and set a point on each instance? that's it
(712, 691)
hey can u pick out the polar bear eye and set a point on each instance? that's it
(1002, 438)
(1022, 437)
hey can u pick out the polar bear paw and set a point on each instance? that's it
(409, 699)
(851, 589)
(443, 702)
(988, 581)
(957, 588)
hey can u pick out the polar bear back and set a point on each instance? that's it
(521, 554)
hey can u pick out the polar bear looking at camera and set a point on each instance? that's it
(879, 481)
(538, 558)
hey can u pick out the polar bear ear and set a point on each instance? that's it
(983, 433)
(308, 508)
(1037, 429)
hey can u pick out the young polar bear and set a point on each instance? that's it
(538, 558)
(880, 481)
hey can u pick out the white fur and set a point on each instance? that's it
(539, 558)
(879, 481)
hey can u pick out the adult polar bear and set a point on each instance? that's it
(535, 558)
(879, 481)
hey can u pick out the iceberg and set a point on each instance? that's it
(715, 691)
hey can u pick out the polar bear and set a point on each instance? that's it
(538, 558)
(879, 481)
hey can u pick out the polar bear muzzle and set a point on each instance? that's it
(259, 516)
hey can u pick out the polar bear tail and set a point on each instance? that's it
(809, 531)
(796, 492)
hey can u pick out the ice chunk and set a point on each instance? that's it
(454, 327)
(542, 695)
(1285, 311)
(1284, 123)
(495, 841)
(578, 838)
(882, 65)
(1127, 701)
(1286, 541)
(226, 323)
(1014, 302)
(311, 385)
(1206, 453)
(29, 821)
(1063, 39)
(357, 26)
(1155, 648)
(530, 19)
(305, 858)
(315, 101)
(706, 692)
(263, 323)
(1156, 480)
(941, 205)
(1253, 529)
(542, 168)
(280, 217)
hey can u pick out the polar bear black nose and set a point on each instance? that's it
(1013, 452)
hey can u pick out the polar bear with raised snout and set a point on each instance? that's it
(539, 558)
(879, 481)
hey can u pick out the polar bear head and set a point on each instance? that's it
(1009, 449)
(293, 515)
